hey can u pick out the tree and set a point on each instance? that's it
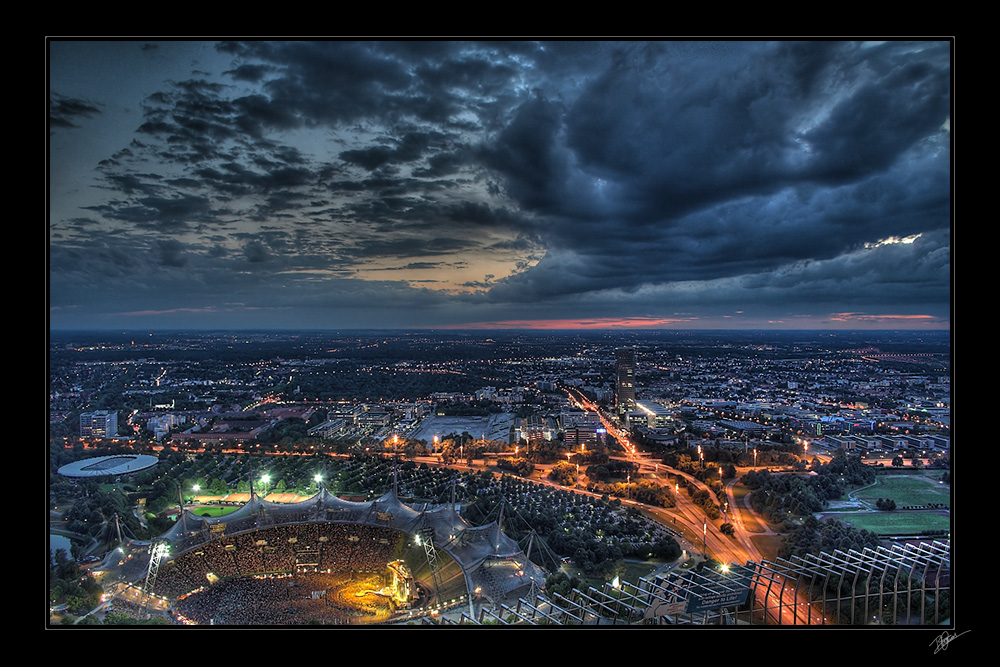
(560, 583)
(885, 504)
(564, 473)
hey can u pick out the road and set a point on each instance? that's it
(779, 601)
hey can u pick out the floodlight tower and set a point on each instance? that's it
(425, 537)
(180, 500)
(157, 550)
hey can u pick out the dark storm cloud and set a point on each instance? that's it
(409, 247)
(64, 112)
(100, 260)
(684, 135)
(454, 86)
(483, 215)
(443, 164)
(218, 135)
(248, 72)
(132, 184)
(193, 114)
(528, 153)
(701, 168)
(330, 82)
(917, 272)
(159, 212)
(257, 115)
(422, 266)
(631, 174)
(171, 253)
(235, 178)
(916, 275)
(875, 125)
(255, 252)
(410, 147)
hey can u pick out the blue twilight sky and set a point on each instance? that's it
(347, 184)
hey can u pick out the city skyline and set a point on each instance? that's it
(567, 184)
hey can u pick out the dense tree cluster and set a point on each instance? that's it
(813, 536)
(885, 504)
(778, 496)
(560, 583)
(291, 430)
(80, 593)
(91, 513)
(703, 499)
(520, 466)
(851, 469)
(544, 451)
(704, 464)
(597, 534)
(564, 473)
(621, 479)
(614, 469)
(644, 491)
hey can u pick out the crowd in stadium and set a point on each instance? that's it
(233, 573)
(288, 599)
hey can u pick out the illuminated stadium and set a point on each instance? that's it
(104, 466)
(324, 560)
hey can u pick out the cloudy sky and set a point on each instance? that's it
(342, 184)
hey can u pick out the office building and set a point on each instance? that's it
(99, 424)
(656, 415)
(625, 384)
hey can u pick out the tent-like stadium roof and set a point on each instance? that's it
(492, 562)
(101, 466)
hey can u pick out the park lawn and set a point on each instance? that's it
(897, 523)
(212, 510)
(634, 570)
(907, 490)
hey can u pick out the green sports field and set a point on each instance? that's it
(897, 522)
(921, 489)
(212, 510)
(908, 490)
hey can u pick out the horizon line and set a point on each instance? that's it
(463, 328)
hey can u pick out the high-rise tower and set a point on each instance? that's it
(625, 373)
